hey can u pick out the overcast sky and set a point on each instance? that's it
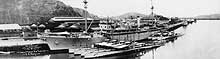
(180, 8)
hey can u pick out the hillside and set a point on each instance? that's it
(209, 16)
(131, 14)
(32, 11)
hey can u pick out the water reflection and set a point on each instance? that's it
(69, 56)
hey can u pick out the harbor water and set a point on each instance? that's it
(201, 40)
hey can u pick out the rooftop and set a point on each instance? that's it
(9, 26)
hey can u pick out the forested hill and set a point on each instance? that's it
(209, 16)
(32, 11)
(131, 15)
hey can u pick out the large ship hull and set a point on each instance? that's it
(70, 43)
(132, 36)
(139, 35)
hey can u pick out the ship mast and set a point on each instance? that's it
(152, 8)
(85, 14)
(152, 13)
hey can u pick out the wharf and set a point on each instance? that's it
(16, 42)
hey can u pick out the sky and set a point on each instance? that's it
(170, 8)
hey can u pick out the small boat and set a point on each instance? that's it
(106, 49)
(164, 37)
(109, 45)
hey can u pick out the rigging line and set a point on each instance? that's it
(90, 25)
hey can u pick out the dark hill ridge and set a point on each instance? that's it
(209, 16)
(131, 14)
(144, 17)
(32, 11)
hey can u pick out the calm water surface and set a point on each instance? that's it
(201, 40)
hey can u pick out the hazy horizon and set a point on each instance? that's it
(179, 8)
